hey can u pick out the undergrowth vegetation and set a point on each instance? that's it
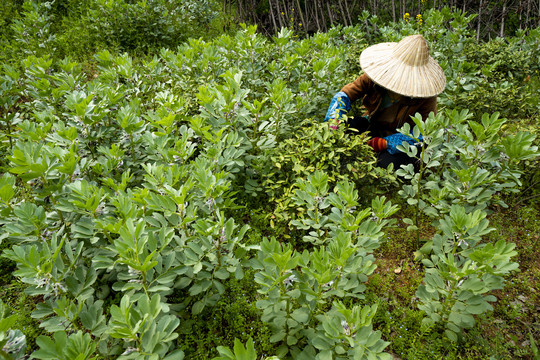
(80, 28)
(190, 203)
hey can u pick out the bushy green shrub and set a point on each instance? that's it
(9, 11)
(13, 342)
(297, 287)
(318, 147)
(32, 33)
(145, 25)
(502, 58)
(498, 76)
(78, 29)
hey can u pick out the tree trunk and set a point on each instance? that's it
(323, 19)
(348, 13)
(353, 5)
(329, 13)
(273, 17)
(528, 12)
(239, 12)
(479, 20)
(503, 18)
(393, 11)
(312, 15)
(343, 13)
(256, 19)
(304, 24)
(316, 12)
(280, 20)
(285, 10)
(404, 8)
(520, 10)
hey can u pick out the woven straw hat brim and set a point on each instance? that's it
(412, 76)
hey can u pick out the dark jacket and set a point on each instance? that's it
(372, 94)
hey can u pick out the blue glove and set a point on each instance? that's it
(394, 140)
(340, 104)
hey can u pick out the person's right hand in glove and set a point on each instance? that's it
(339, 106)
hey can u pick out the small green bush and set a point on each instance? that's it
(316, 146)
(145, 25)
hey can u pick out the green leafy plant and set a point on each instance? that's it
(298, 286)
(462, 162)
(240, 352)
(32, 33)
(462, 166)
(461, 272)
(349, 334)
(12, 342)
(318, 148)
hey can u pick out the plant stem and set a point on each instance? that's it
(8, 122)
(525, 199)
(145, 287)
(132, 145)
(418, 188)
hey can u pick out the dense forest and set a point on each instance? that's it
(493, 18)
(169, 189)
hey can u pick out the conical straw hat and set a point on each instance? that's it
(404, 67)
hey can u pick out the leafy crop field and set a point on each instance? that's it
(192, 204)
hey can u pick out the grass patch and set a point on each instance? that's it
(503, 333)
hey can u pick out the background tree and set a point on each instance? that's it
(495, 17)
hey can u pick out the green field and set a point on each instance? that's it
(170, 197)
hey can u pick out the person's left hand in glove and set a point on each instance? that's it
(391, 142)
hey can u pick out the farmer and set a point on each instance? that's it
(399, 80)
